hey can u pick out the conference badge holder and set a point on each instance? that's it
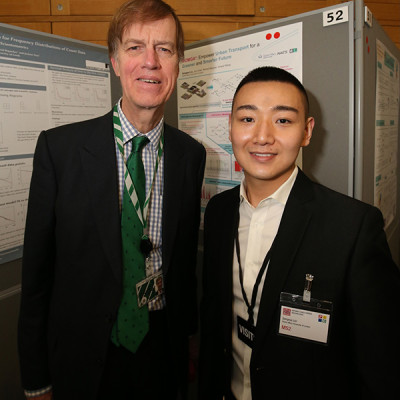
(150, 288)
(304, 317)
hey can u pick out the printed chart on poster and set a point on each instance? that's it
(43, 84)
(386, 129)
(207, 81)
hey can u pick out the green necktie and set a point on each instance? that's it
(132, 322)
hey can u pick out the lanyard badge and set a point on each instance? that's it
(304, 317)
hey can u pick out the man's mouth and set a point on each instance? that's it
(263, 154)
(149, 81)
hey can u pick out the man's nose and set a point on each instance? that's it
(151, 59)
(265, 133)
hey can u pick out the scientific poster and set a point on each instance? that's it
(207, 81)
(42, 85)
(386, 129)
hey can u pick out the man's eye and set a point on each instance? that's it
(283, 121)
(247, 119)
(165, 50)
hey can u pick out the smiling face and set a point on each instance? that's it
(268, 127)
(147, 63)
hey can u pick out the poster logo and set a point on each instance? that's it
(287, 311)
(322, 318)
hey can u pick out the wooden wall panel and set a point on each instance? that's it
(287, 8)
(394, 34)
(88, 31)
(84, 7)
(182, 7)
(36, 26)
(385, 11)
(379, 2)
(24, 7)
(213, 7)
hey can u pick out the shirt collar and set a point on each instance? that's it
(281, 195)
(129, 131)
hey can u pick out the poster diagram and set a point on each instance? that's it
(386, 128)
(6, 179)
(207, 81)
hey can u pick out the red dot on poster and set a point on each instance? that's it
(366, 39)
(238, 168)
(277, 35)
(269, 36)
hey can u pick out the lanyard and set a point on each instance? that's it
(141, 213)
(250, 306)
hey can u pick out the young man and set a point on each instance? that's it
(108, 284)
(262, 335)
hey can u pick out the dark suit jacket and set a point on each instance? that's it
(342, 243)
(72, 266)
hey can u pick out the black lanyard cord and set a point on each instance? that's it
(250, 307)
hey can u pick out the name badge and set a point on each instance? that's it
(150, 288)
(246, 331)
(303, 319)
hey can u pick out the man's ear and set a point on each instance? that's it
(230, 126)
(308, 132)
(115, 64)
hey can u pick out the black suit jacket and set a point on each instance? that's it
(342, 243)
(72, 265)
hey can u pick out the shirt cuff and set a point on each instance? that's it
(38, 392)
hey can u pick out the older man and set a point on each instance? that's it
(108, 285)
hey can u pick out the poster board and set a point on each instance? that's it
(339, 72)
(331, 95)
(45, 81)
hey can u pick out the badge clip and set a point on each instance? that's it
(306, 320)
(307, 288)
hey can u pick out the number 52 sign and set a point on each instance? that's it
(336, 16)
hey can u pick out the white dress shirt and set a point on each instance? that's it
(257, 230)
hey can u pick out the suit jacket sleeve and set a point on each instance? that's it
(37, 270)
(373, 286)
(215, 356)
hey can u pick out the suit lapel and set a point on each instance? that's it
(100, 170)
(230, 220)
(293, 225)
(174, 166)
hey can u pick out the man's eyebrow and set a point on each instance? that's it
(157, 43)
(132, 40)
(164, 42)
(285, 108)
(251, 107)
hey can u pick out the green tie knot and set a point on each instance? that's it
(138, 142)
